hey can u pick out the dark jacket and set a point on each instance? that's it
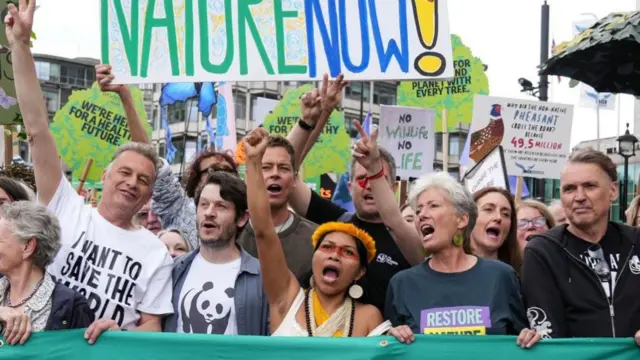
(69, 310)
(252, 313)
(564, 296)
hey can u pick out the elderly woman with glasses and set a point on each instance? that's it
(459, 293)
(30, 299)
(533, 218)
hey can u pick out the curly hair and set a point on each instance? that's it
(194, 172)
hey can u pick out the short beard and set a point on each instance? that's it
(224, 241)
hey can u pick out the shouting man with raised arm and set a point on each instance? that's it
(398, 244)
(122, 270)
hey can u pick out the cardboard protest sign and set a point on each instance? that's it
(331, 153)
(149, 41)
(92, 124)
(408, 134)
(454, 95)
(489, 172)
(534, 135)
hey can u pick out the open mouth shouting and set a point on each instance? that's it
(427, 232)
(274, 189)
(494, 233)
(208, 226)
(330, 274)
(368, 199)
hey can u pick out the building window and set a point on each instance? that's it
(354, 91)
(384, 94)
(439, 146)
(240, 103)
(162, 149)
(454, 145)
(52, 100)
(177, 113)
(184, 149)
(64, 95)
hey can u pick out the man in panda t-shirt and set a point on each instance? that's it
(123, 271)
(217, 289)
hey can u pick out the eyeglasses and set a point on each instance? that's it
(343, 251)
(537, 222)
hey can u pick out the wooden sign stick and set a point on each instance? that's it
(519, 184)
(85, 173)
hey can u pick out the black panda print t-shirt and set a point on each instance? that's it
(206, 303)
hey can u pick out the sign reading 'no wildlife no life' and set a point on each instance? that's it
(150, 41)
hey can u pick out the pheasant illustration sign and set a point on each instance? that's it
(535, 135)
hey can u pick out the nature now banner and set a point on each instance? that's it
(70, 345)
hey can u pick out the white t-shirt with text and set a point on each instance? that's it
(120, 272)
(207, 298)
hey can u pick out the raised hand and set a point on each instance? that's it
(104, 79)
(331, 92)
(366, 151)
(17, 325)
(311, 105)
(255, 144)
(19, 22)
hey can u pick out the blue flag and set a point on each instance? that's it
(170, 149)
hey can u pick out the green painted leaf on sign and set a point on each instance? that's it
(331, 153)
(92, 124)
(455, 95)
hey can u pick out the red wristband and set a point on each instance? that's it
(364, 182)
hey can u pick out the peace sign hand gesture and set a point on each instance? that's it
(366, 151)
(331, 92)
(19, 22)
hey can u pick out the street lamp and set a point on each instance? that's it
(626, 149)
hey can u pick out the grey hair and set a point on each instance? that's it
(456, 193)
(146, 150)
(176, 231)
(387, 157)
(31, 220)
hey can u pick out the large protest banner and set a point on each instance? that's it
(71, 345)
(454, 95)
(534, 135)
(149, 41)
(408, 134)
(92, 124)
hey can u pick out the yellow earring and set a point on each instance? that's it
(458, 239)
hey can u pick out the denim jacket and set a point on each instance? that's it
(252, 312)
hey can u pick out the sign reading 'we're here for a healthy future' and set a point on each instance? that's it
(149, 41)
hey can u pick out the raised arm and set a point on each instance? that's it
(46, 163)
(317, 107)
(280, 285)
(136, 127)
(367, 153)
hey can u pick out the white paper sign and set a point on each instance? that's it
(273, 40)
(535, 135)
(408, 133)
(489, 172)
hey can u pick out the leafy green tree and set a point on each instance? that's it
(455, 95)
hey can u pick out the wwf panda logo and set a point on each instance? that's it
(206, 311)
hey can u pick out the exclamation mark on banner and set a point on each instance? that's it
(429, 63)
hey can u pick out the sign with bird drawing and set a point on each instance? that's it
(535, 135)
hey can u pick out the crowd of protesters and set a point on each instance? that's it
(267, 256)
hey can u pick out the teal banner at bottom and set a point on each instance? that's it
(70, 345)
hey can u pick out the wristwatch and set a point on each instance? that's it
(305, 125)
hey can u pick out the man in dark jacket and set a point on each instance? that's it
(583, 279)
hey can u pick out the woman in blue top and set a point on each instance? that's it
(453, 292)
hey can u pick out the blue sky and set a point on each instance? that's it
(505, 34)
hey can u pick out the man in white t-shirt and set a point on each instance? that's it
(217, 288)
(124, 271)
